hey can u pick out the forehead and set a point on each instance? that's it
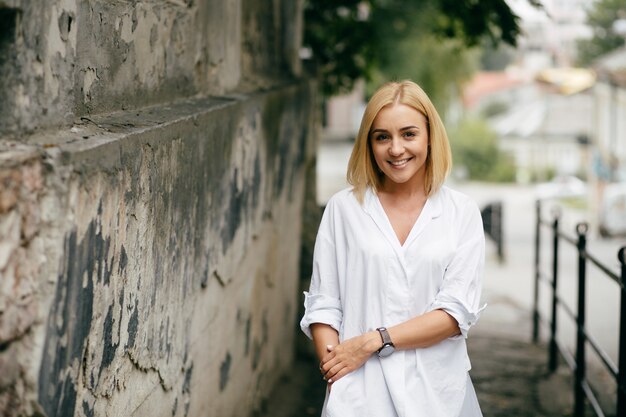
(399, 115)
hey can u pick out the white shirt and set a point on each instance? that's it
(363, 278)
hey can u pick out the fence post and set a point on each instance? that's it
(553, 349)
(621, 377)
(537, 271)
(579, 376)
(499, 227)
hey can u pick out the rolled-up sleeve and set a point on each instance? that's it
(320, 308)
(322, 303)
(460, 292)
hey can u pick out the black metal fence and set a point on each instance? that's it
(492, 224)
(582, 389)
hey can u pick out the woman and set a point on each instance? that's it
(397, 271)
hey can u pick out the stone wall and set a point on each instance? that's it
(63, 59)
(152, 181)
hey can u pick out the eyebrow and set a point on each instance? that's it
(401, 129)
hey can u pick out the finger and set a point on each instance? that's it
(328, 357)
(335, 359)
(326, 366)
(343, 372)
(329, 348)
(330, 375)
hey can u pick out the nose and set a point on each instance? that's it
(396, 148)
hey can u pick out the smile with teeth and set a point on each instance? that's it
(400, 162)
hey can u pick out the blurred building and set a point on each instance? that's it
(540, 107)
(609, 130)
(543, 128)
(550, 34)
(547, 136)
(609, 144)
(342, 114)
(491, 90)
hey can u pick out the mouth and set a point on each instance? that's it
(400, 162)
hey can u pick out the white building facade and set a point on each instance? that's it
(609, 135)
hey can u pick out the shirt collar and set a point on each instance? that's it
(434, 206)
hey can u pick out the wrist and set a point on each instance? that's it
(373, 341)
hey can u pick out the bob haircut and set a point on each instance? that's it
(362, 169)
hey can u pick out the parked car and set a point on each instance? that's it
(612, 220)
(562, 186)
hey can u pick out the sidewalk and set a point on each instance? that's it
(509, 373)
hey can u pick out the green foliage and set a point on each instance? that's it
(341, 41)
(475, 148)
(439, 66)
(413, 49)
(494, 108)
(387, 39)
(542, 174)
(601, 18)
(472, 20)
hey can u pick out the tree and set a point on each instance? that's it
(475, 148)
(415, 45)
(351, 39)
(602, 18)
(339, 35)
(440, 66)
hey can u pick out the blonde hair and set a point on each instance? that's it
(362, 169)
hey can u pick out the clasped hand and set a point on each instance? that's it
(348, 356)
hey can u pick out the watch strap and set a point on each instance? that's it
(384, 334)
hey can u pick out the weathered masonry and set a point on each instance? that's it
(153, 162)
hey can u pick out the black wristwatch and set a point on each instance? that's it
(388, 347)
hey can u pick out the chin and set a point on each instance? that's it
(397, 180)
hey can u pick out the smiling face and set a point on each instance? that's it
(399, 143)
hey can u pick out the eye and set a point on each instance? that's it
(410, 134)
(381, 137)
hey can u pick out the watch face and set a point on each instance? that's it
(386, 351)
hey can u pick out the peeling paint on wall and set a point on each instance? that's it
(134, 303)
(224, 371)
(69, 326)
(91, 76)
